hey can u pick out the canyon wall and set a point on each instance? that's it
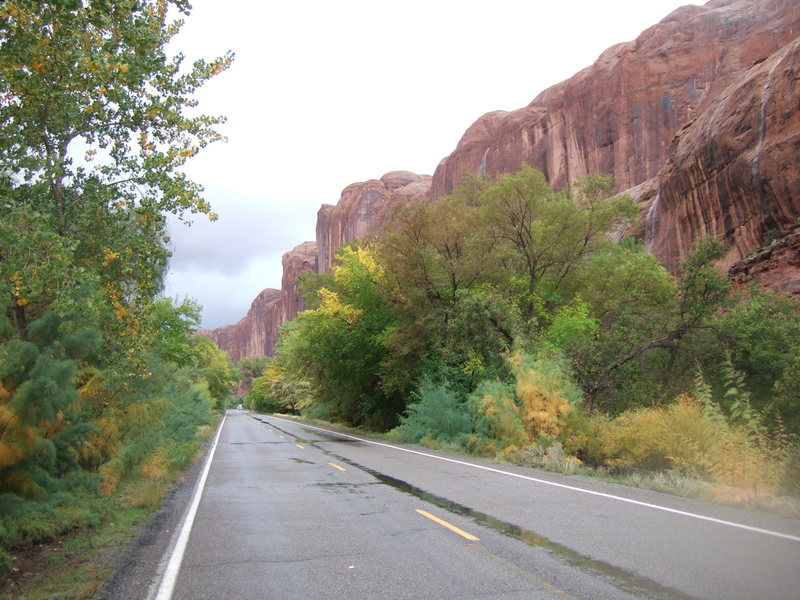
(256, 333)
(619, 115)
(363, 209)
(734, 171)
(698, 119)
(301, 259)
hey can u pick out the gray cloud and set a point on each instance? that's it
(226, 297)
(247, 228)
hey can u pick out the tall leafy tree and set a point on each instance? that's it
(544, 236)
(96, 127)
(96, 375)
(339, 345)
(441, 260)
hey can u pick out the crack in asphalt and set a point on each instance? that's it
(248, 443)
(274, 562)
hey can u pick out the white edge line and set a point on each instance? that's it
(675, 511)
(167, 586)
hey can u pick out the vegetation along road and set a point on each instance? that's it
(288, 510)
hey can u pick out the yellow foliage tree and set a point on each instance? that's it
(545, 392)
(498, 418)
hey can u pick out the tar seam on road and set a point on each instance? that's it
(167, 586)
(675, 511)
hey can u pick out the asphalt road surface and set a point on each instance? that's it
(287, 511)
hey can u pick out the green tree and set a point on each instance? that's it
(42, 429)
(97, 375)
(338, 346)
(762, 330)
(250, 368)
(216, 368)
(544, 237)
(95, 132)
(170, 328)
(644, 323)
(622, 300)
(455, 324)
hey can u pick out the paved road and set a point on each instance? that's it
(288, 511)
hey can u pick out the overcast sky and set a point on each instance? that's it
(326, 93)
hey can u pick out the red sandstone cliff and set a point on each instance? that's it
(619, 115)
(363, 208)
(257, 332)
(698, 118)
(301, 259)
(734, 173)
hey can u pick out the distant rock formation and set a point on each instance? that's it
(363, 208)
(698, 119)
(257, 332)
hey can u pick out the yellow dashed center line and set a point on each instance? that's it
(453, 528)
(301, 447)
(335, 466)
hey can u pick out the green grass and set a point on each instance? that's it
(74, 566)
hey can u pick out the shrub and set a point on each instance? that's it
(656, 438)
(582, 436)
(497, 416)
(547, 454)
(696, 439)
(545, 390)
(438, 416)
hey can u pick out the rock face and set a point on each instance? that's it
(256, 334)
(776, 267)
(301, 259)
(734, 171)
(698, 119)
(620, 114)
(363, 208)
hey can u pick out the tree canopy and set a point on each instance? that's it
(101, 379)
(510, 319)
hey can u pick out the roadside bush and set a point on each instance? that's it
(791, 478)
(545, 390)
(497, 419)
(688, 436)
(582, 436)
(438, 416)
(656, 438)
